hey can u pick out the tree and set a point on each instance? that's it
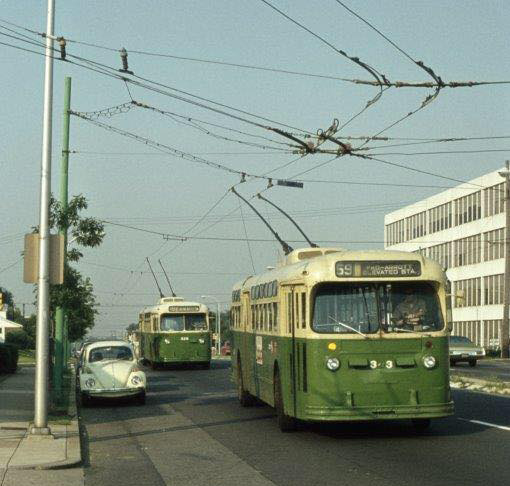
(20, 339)
(132, 327)
(8, 302)
(76, 295)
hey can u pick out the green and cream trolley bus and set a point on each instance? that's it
(175, 331)
(336, 335)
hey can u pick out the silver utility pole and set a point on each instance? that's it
(504, 334)
(42, 356)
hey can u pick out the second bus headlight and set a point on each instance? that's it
(332, 364)
(429, 362)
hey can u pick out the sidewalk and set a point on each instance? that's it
(19, 450)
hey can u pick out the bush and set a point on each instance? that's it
(8, 358)
(20, 339)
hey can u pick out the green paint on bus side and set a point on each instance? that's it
(377, 378)
(178, 347)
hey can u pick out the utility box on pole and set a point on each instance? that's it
(31, 259)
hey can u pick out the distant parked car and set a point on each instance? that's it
(109, 369)
(225, 349)
(463, 349)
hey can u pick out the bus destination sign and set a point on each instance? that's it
(183, 308)
(374, 269)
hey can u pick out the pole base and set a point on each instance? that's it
(40, 432)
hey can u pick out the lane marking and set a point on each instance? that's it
(479, 422)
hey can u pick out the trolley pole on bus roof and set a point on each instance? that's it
(504, 334)
(43, 291)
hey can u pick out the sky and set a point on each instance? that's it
(128, 182)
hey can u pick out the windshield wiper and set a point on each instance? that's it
(401, 329)
(348, 327)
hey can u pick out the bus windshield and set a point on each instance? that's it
(183, 322)
(367, 308)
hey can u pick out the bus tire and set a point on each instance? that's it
(285, 422)
(421, 425)
(472, 362)
(245, 398)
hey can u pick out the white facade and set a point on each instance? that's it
(464, 229)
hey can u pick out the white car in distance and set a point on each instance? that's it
(109, 369)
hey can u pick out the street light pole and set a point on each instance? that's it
(43, 291)
(504, 335)
(218, 320)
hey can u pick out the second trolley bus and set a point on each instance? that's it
(175, 331)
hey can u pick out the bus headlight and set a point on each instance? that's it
(429, 362)
(136, 380)
(90, 382)
(332, 364)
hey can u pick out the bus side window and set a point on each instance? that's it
(275, 316)
(252, 323)
(296, 310)
(289, 313)
(270, 311)
(303, 310)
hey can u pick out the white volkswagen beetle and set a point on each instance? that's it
(109, 369)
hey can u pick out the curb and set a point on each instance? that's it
(73, 444)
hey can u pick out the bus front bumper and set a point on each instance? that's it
(333, 414)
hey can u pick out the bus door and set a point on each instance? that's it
(244, 344)
(290, 358)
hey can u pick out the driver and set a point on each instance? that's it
(410, 310)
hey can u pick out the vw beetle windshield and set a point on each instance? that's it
(110, 352)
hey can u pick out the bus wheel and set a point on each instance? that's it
(246, 399)
(285, 422)
(472, 362)
(420, 425)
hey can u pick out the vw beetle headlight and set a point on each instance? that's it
(136, 380)
(332, 364)
(429, 362)
(90, 382)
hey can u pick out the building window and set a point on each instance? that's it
(470, 329)
(494, 287)
(395, 233)
(440, 217)
(467, 251)
(494, 244)
(492, 329)
(441, 253)
(416, 226)
(494, 199)
(472, 292)
(468, 208)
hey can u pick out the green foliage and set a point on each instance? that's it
(8, 358)
(20, 339)
(8, 302)
(78, 299)
(132, 327)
